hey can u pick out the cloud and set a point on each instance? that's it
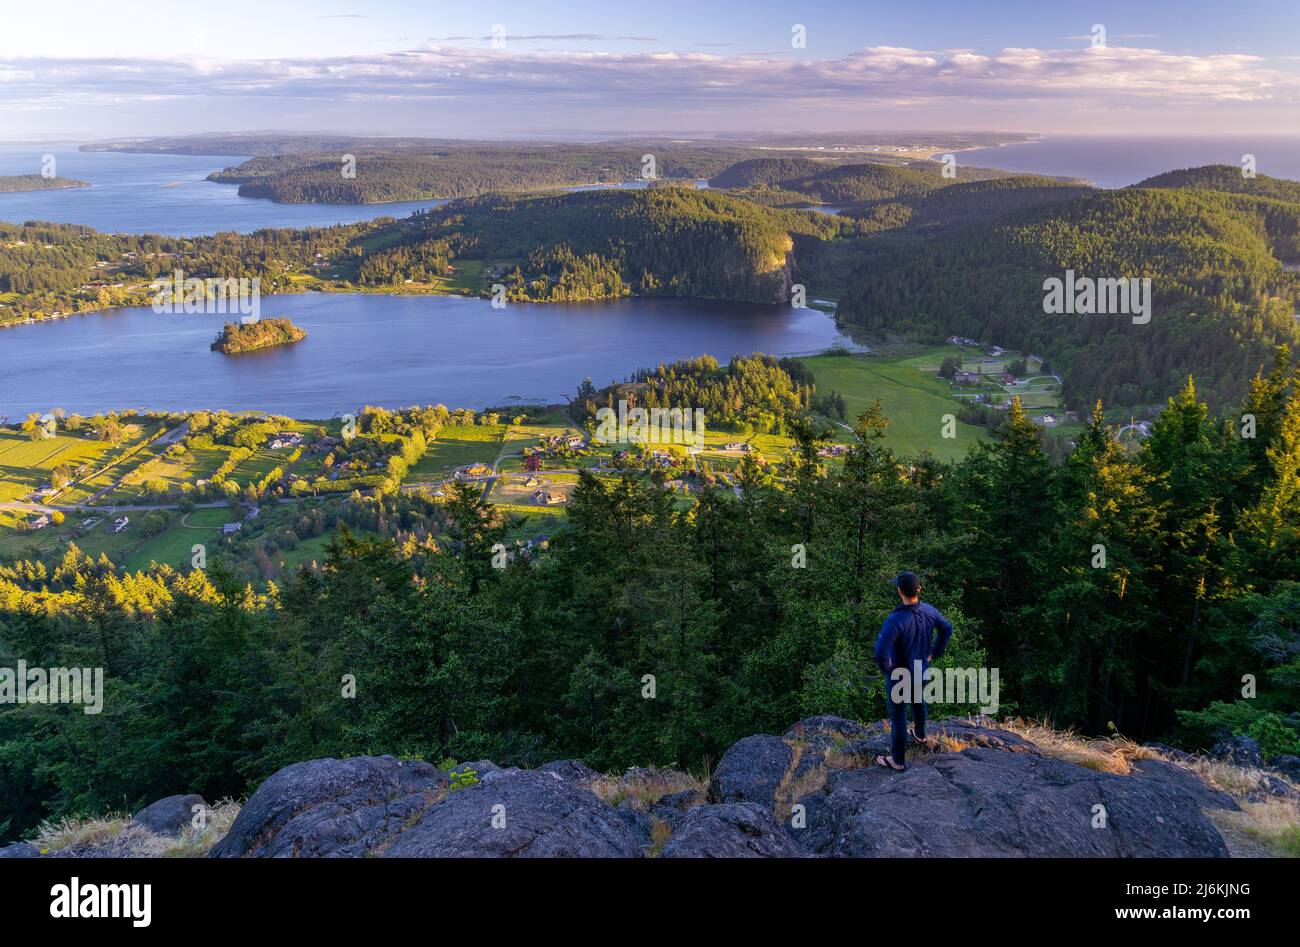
(541, 37)
(700, 86)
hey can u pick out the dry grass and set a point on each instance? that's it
(644, 788)
(660, 833)
(79, 833)
(1104, 754)
(1271, 823)
(133, 841)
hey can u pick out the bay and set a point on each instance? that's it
(381, 350)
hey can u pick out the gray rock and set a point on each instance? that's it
(20, 850)
(983, 802)
(332, 808)
(572, 770)
(1206, 796)
(169, 816)
(480, 767)
(1243, 751)
(545, 816)
(751, 770)
(1171, 752)
(673, 807)
(730, 830)
(1287, 765)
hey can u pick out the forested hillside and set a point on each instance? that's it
(674, 241)
(1222, 177)
(1222, 297)
(408, 173)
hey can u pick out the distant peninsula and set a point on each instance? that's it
(13, 183)
(237, 338)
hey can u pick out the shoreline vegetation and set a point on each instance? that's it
(238, 338)
(20, 183)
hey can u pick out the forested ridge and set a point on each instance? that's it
(215, 683)
(1221, 296)
(597, 244)
(388, 174)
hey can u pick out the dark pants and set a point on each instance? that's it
(898, 725)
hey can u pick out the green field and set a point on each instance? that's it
(914, 400)
(457, 446)
(26, 463)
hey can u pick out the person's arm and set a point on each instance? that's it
(945, 633)
(885, 648)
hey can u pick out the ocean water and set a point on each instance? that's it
(1118, 161)
(164, 194)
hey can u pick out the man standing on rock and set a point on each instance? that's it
(904, 650)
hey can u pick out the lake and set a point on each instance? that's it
(164, 194)
(381, 350)
(1118, 161)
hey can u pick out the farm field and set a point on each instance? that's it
(913, 398)
(457, 446)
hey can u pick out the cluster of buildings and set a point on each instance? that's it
(994, 350)
(285, 440)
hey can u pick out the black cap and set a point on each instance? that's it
(908, 584)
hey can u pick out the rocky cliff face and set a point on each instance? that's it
(812, 792)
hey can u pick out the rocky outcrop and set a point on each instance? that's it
(730, 830)
(332, 808)
(522, 813)
(979, 790)
(1240, 750)
(169, 816)
(19, 850)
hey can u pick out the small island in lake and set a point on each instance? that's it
(13, 183)
(237, 338)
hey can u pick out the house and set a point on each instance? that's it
(229, 529)
(120, 523)
(474, 470)
(967, 378)
(742, 446)
(546, 498)
(575, 442)
(533, 461)
(997, 350)
(40, 522)
(1008, 378)
(833, 450)
(88, 522)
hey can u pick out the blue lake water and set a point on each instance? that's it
(381, 350)
(165, 194)
(1120, 161)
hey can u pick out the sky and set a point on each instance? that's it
(134, 68)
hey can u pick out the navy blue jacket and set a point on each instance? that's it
(906, 637)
